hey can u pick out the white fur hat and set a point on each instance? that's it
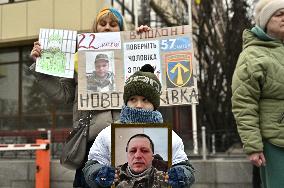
(264, 9)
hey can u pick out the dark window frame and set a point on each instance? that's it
(53, 114)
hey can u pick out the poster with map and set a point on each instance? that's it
(58, 49)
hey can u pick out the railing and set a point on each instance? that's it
(213, 144)
(124, 9)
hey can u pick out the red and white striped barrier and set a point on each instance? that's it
(18, 147)
(42, 161)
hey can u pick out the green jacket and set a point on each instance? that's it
(258, 93)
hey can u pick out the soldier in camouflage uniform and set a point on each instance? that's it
(150, 178)
(138, 172)
(101, 80)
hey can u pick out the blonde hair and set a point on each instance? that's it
(104, 16)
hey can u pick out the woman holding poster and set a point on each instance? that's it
(66, 90)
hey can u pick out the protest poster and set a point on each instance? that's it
(169, 50)
(58, 49)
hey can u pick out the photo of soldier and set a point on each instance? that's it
(101, 79)
(140, 156)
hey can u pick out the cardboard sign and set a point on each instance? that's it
(120, 54)
(58, 49)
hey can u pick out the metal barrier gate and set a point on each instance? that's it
(42, 149)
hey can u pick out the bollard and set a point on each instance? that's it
(42, 177)
(204, 157)
(213, 144)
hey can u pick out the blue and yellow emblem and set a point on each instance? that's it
(179, 70)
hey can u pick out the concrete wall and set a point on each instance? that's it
(223, 174)
(22, 21)
(21, 173)
(209, 174)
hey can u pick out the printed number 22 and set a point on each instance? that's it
(168, 44)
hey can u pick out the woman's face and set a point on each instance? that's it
(107, 24)
(139, 102)
(275, 26)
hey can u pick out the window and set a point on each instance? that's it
(22, 104)
(9, 89)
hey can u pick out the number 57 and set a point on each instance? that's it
(168, 44)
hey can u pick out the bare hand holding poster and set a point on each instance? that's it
(106, 60)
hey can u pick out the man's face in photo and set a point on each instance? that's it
(139, 154)
(101, 67)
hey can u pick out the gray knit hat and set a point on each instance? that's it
(143, 83)
(264, 10)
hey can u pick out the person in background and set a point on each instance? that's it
(258, 92)
(141, 96)
(65, 90)
(101, 79)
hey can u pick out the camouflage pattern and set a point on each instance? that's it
(152, 179)
(100, 85)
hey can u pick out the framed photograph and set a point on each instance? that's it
(100, 71)
(128, 140)
(123, 144)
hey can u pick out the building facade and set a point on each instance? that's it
(22, 105)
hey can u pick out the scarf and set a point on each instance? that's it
(261, 34)
(140, 175)
(133, 115)
(150, 178)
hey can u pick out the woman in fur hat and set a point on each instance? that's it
(258, 92)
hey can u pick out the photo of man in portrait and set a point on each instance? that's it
(140, 167)
(101, 79)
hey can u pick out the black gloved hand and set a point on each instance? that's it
(105, 176)
(177, 177)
